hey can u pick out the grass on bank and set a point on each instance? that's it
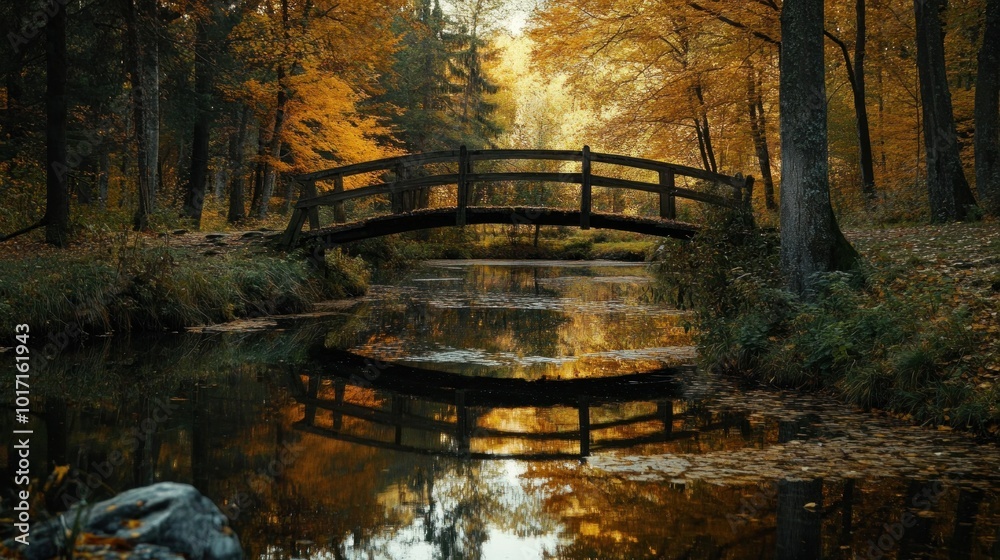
(505, 242)
(906, 334)
(136, 284)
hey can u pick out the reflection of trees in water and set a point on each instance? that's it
(513, 316)
(233, 420)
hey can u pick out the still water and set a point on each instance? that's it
(501, 409)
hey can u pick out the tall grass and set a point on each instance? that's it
(141, 287)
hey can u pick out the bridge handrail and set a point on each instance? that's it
(406, 185)
(307, 206)
(452, 156)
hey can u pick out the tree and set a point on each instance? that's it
(987, 117)
(57, 196)
(856, 77)
(205, 20)
(950, 195)
(811, 240)
(143, 60)
(758, 129)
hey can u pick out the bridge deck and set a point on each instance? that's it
(445, 217)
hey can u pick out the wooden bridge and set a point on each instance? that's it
(430, 412)
(403, 178)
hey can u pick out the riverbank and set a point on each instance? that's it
(915, 334)
(484, 242)
(134, 283)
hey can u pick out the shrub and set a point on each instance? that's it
(878, 339)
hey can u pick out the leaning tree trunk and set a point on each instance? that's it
(57, 196)
(950, 195)
(194, 200)
(811, 240)
(988, 113)
(860, 107)
(759, 132)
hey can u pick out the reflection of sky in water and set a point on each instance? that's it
(527, 538)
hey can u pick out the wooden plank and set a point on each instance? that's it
(705, 197)
(379, 416)
(668, 205)
(445, 217)
(653, 165)
(585, 190)
(328, 199)
(381, 164)
(616, 183)
(338, 207)
(463, 185)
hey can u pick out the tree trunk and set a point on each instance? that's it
(141, 22)
(799, 529)
(12, 126)
(811, 240)
(860, 106)
(950, 195)
(274, 148)
(258, 172)
(237, 205)
(57, 196)
(755, 104)
(102, 177)
(703, 132)
(273, 155)
(194, 199)
(988, 113)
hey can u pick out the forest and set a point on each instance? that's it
(154, 114)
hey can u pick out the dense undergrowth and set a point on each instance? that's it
(883, 337)
(142, 285)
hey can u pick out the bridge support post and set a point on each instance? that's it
(313, 393)
(668, 204)
(585, 190)
(665, 410)
(338, 207)
(398, 205)
(291, 235)
(462, 422)
(309, 191)
(464, 165)
(584, 410)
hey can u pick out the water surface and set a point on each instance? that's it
(314, 454)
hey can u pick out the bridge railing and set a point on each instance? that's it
(405, 180)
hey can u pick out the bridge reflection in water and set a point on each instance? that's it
(430, 412)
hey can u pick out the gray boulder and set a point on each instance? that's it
(165, 521)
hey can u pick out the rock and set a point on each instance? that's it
(252, 234)
(165, 521)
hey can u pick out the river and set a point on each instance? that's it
(504, 409)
